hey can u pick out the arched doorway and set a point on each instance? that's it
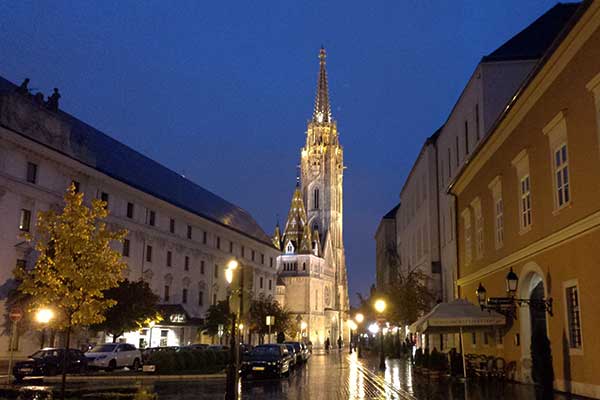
(536, 352)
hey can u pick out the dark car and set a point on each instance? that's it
(48, 362)
(293, 354)
(306, 352)
(298, 351)
(267, 359)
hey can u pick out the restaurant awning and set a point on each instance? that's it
(455, 316)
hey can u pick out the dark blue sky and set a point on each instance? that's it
(222, 91)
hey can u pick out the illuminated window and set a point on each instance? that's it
(25, 220)
(561, 172)
(573, 315)
(525, 202)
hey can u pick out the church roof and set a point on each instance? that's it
(322, 111)
(296, 221)
(108, 156)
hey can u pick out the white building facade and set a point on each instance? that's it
(180, 236)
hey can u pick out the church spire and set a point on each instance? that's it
(322, 112)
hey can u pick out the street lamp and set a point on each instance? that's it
(233, 370)
(380, 308)
(507, 305)
(43, 316)
(359, 318)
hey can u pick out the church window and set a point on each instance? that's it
(316, 199)
(290, 248)
(303, 266)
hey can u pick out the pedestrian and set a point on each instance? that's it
(339, 342)
(327, 344)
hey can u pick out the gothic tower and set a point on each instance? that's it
(322, 171)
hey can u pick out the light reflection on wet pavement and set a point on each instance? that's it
(342, 376)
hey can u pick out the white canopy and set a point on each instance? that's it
(455, 316)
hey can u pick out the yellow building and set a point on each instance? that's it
(529, 199)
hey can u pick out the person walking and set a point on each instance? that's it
(327, 345)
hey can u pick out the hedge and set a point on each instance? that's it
(198, 361)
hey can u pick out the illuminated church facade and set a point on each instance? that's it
(312, 279)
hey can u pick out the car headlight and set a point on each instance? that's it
(271, 363)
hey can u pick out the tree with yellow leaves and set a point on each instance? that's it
(75, 263)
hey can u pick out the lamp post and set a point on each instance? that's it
(508, 305)
(359, 318)
(43, 316)
(231, 392)
(380, 308)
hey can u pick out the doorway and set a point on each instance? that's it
(542, 371)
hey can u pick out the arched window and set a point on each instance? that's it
(316, 199)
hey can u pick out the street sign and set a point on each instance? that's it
(270, 320)
(15, 314)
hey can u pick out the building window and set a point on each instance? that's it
(466, 214)
(130, 210)
(556, 131)
(202, 267)
(525, 202)
(204, 237)
(573, 317)
(216, 271)
(457, 153)
(253, 254)
(561, 173)
(499, 208)
(32, 172)
(466, 138)
(169, 259)
(189, 231)
(218, 243)
(261, 282)
(271, 262)
(316, 199)
(262, 259)
(214, 299)
(76, 186)
(201, 298)
(231, 247)
(186, 264)
(184, 296)
(149, 253)
(104, 198)
(270, 285)
(474, 338)
(25, 220)
(125, 247)
(243, 251)
(166, 296)
(172, 225)
(151, 218)
(476, 204)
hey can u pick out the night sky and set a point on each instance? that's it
(222, 91)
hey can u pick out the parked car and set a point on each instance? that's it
(300, 358)
(217, 347)
(109, 356)
(267, 359)
(151, 350)
(306, 352)
(293, 354)
(197, 346)
(48, 362)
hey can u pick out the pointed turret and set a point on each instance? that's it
(316, 247)
(294, 227)
(322, 112)
(277, 237)
(306, 244)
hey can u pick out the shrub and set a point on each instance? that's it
(163, 360)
